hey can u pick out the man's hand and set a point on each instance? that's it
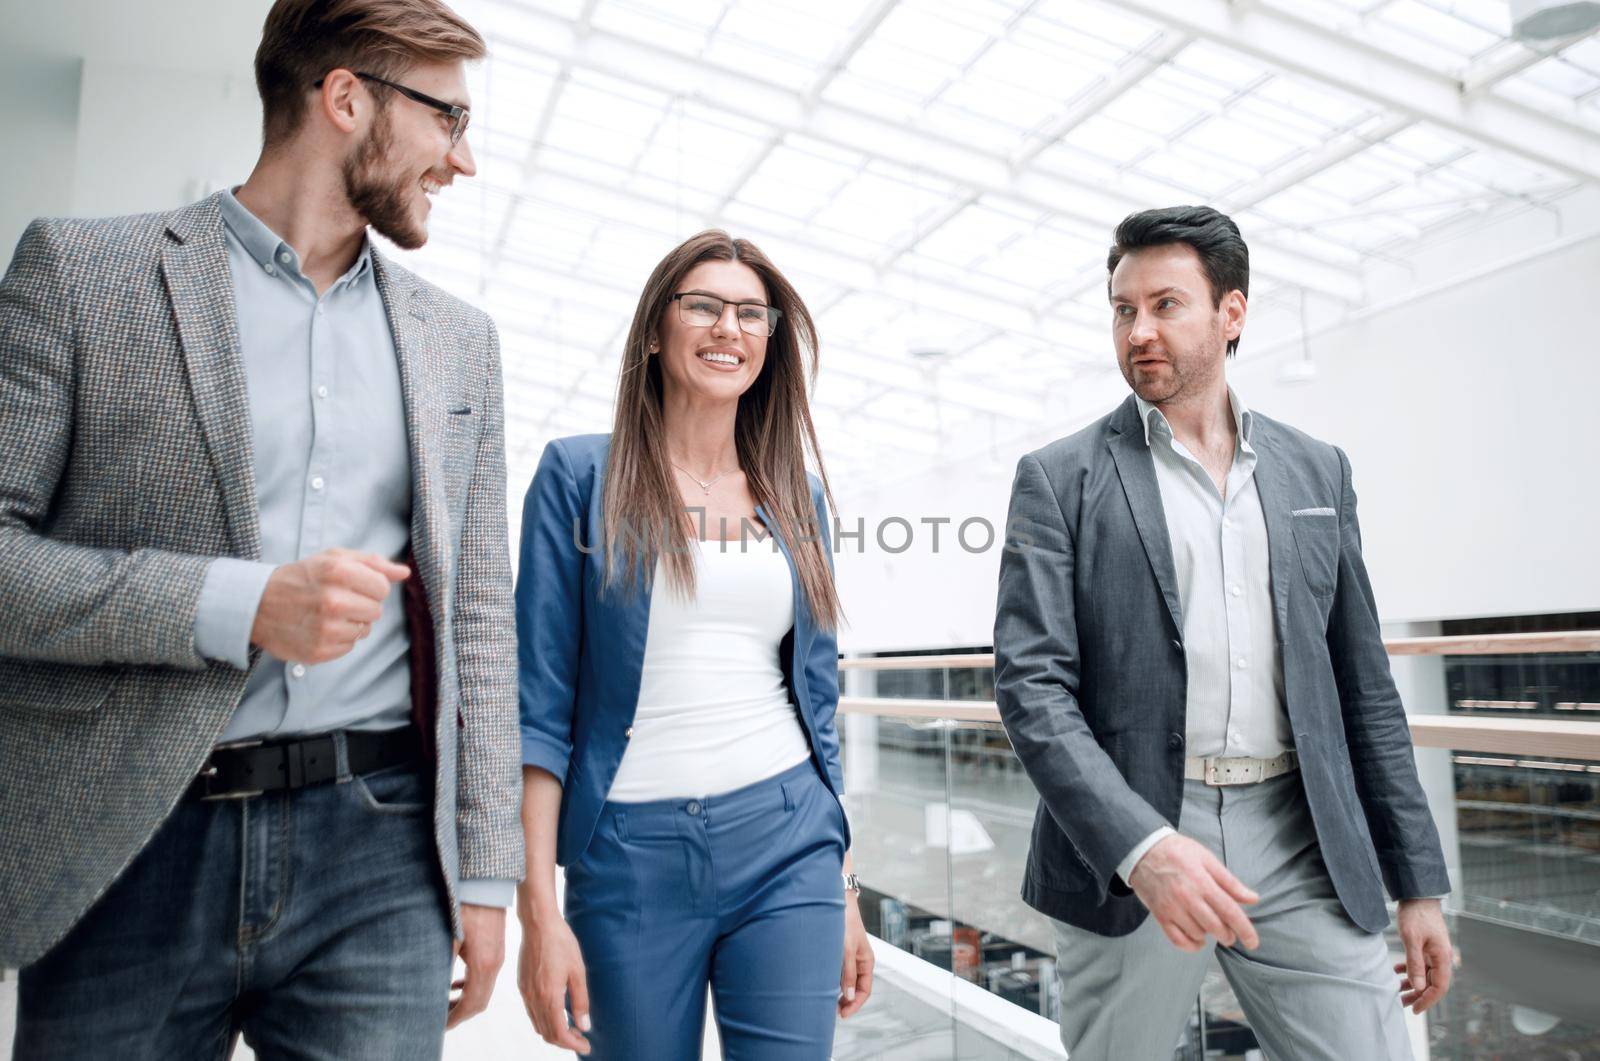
(1429, 956)
(483, 949)
(855, 979)
(550, 974)
(316, 610)
(1192, 895)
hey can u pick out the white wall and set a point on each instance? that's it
(122, 108)
(41, 127)
(153, 139)
(1468, 417)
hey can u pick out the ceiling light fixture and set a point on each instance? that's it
(1544, 20)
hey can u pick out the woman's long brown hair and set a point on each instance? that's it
(773, 433)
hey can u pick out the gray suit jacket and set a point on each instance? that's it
(1090, 672)
(125, 464)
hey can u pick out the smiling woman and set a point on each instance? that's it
(720, 337)
(679, 686)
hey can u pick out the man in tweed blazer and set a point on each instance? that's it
(255, 615)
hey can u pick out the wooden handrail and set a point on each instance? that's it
(1495, 644)
(1520, 737)
(1461, 645)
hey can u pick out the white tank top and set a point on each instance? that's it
(713, 713)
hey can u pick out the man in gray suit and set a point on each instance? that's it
(1188, 662)
(258, 740)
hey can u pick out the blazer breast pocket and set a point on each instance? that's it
(460, 448)
(1316, 539)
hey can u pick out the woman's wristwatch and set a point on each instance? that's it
(852, 883)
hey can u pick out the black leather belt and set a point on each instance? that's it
(239, 771)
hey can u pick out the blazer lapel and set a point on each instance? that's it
(1272, 486)
(1137, 470)
(420, 355)
(194, 267)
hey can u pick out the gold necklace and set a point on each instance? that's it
(705, 484)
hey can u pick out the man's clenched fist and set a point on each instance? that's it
(315, 610)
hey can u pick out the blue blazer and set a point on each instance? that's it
(581, 650)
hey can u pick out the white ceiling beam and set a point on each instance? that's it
(1149, 58)
(977, 299)
(734, 91)
(929, 225)
(845, 54)
(1339, 149)
(541, 129)
(1478, 78)
(1274, 36)
(835, 65)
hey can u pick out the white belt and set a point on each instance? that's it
(1238, 771)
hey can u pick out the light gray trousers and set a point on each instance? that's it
(1318, 987)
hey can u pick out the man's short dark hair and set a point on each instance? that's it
(1212, 234)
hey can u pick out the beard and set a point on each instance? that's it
(382, 198)
(1186, 370)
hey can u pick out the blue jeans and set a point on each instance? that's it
(312, 921)
(741, 891)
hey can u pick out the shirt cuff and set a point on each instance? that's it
(229, 597)
(545, 753)
(486, 891)
(1126, 867)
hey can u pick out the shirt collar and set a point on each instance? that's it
(1152, 417)
(264, 245)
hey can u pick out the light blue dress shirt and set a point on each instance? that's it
(332, 470)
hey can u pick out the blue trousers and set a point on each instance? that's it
(312, 921)
(739, 891)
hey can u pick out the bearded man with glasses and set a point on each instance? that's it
(258, 741)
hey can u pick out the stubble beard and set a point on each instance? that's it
(1188, 374)
(380, 198)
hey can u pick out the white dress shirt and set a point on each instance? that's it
(1235, 701)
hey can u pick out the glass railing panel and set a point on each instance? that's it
(1000, 945)
(897, 797)
(1521, 834)
(1526, 918)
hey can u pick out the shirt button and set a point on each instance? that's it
(320, 308)
(270, 270)
(1235, 590)
(1243, 663)
(316, 484)
(693, 808)
(298, 670)
(285, 257)
(322, 392)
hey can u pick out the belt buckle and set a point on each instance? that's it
(1211, 773)
(211, 771)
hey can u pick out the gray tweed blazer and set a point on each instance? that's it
(125, 464)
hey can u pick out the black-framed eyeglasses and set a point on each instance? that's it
(702, 311)
(459, 116)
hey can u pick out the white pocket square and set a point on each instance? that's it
(1315, 512)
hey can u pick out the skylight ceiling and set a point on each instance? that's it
(940, 177)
